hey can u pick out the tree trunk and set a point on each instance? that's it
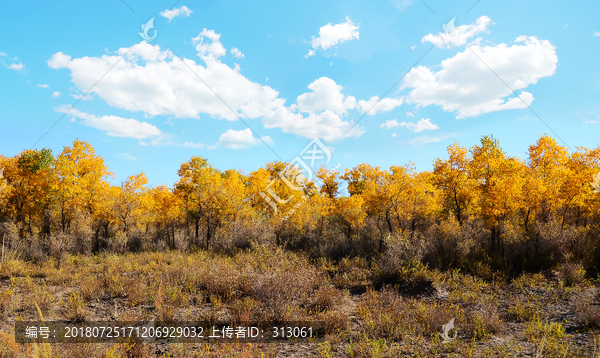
(458, 213)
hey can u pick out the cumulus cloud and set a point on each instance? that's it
(55, 94)
(460, 35)
(326, 125)
(16, 66)
(326, 94)
(237, 53)
(115, 126)
(171, 14)
(422, 125)
(242, 139)
(325, 106)
(465, 85)
(208, 45)
(157, 82)
(331, 35)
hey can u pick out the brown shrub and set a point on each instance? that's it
(60, 244)
(573, 273)
(91, 288)
(137, 292)
(401, 251)
(223, 280)
(484, 320)
(82, 233)
(74, 308)
(112, 282)
(449, 243)
(388, 315)
(333, 321)
(587, 308)
(168, 299)
(326, 298)
(351, 272)
(43, 297)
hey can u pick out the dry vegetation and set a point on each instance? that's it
(509, 249)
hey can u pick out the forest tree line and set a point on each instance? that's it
(478, 207)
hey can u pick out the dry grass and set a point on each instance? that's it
(266, 283)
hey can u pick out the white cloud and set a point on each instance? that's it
(115, 126)
(208, 45)
(459, 35)
(16, 66)
(55, 94)
(326, 94)
(385, 105)
(591, 121)
(325, 105)
(327, 125)
(127, 156)
(310, 53)
(156, 82)
(43, 86)
(331, 35)
(465, 85)
(171, 14)
(402, 4)
(410, 114)
(596, 33)
(394, 135)
(3, 54)
(422, 125)
(237, 53)
(168, 122)
(240, 139)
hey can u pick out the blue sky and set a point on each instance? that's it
(293, 72)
